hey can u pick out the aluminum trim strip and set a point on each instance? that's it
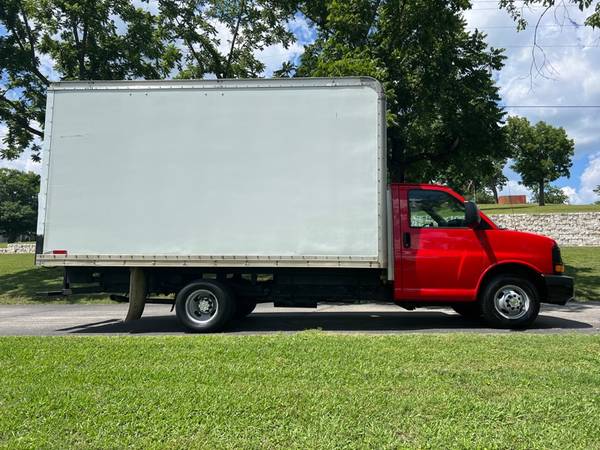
(204, 261)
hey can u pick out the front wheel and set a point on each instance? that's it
(510, 302)
(204, 306)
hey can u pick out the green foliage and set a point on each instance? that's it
(443, 116)
(18, 203)
(552, 195)
(597, 191)
(251, 25)
(482, 196)
(542, 153)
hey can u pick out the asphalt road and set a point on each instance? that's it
(48, 319)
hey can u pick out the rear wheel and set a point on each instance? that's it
(510, 302)
(468, 310)
(204, 306)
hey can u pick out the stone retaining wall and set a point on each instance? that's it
(19, 247)
(569, 230)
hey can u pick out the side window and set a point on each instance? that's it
(430, 208)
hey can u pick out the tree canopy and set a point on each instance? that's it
(250, 25)
(444, 122)
(542, 153)
(443, 113)
(18, 203)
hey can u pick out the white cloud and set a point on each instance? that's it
(590, 179)
(151, 6)
(47, 64)
(24, 162)
(274, 55)
(573, 196)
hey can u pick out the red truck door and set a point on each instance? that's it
(437, 257)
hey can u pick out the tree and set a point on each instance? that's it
(552, 195)
(247, 25)
(483, 196)
(597, 191)
(542, 153)
(443, 115)
(18, 203)
(69, 40)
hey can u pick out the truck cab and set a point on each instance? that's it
(446, 251)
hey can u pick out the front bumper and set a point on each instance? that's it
(559, 289)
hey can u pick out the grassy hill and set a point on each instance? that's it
(535, 209)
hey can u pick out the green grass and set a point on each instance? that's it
(308, 390)
(491, 209)
(583, 263)
(20, 279)
(5, 244)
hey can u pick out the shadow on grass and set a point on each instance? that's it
(23, 286)
(587, 282)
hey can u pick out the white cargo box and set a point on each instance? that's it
(282, 172)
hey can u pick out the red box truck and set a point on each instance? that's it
(227, 193)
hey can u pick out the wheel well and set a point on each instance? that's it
(518, 270)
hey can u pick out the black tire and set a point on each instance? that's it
(471, 310)
(243, 308)
(204, 306)
(510, 301)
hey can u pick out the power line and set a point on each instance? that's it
(513, 27)
(545, 46)
(520, 6)
(549, 106)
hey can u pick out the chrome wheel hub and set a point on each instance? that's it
(511, 302)
(201, 306)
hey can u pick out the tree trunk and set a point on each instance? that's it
(541, 199)
(396, 163)
(495, 192)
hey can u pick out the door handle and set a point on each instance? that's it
(406, 240)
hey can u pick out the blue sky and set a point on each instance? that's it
(571, 77)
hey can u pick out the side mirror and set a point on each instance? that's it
(472, 217)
